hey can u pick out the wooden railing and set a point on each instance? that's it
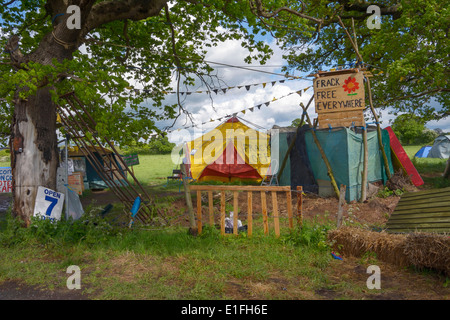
(250, 189)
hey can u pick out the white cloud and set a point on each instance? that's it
(280, 112)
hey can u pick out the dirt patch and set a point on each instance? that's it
(16, 290)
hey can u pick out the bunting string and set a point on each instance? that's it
(243, 111)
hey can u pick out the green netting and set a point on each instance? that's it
(344, 150)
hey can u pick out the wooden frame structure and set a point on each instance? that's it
(249, 189)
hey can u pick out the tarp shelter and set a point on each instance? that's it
(297, 169)
(344, 149)
(91, 178)
(230, 152)
(441, 147)
(423, 152)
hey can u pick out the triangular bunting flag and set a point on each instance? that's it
(243, 111)
(264, 85)
(251, 109)
(258, 106)
(267, 103)
(273, 83)
(281, 81)
(224, 90)
(215, 91)
(247, 87)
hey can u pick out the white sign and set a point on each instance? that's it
(48, 204)
(5, 179)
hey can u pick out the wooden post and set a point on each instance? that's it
(199, 211)
(365, 165)
(341, 205)
(276, 220)
(235, 214)
(187, 194)
(369, 90)
(289, 209)
(300, 206)
(264, 212)
(222, 213)
(249, 213)
(210, 208)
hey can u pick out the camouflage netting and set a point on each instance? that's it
(421, 250)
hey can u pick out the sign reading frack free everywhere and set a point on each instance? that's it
(340, 92)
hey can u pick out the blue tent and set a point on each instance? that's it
(423, 152)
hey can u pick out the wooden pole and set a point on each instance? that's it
(211, 208)
(222, 213)
(365, 165)
(249, 213)
(264, 212)
(341, 205)
(299, 206)
(276, 220)
(235, 213)
(322, 153)
(369, 90)
(193, 229)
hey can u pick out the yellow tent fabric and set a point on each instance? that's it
(230, 152)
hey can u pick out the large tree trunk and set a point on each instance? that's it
(34, 154)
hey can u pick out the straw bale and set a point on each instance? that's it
(422, 250)
(429, 251)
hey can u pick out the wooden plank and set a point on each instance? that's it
(341, 115)
(249, 213)
(238, 188)
(408, 230)
(341, 204)
(430, 199)
(434, 191)
(199, 212)
(426, 205)
(299, 206)
(235, 214)
(419, 220)
(264, 212)
(211, 208)
(330, 93)
(412, 210)
(276, 218)
(418, 215)
(418, 226)
(289, 209)
(420, 195)
(222, 213)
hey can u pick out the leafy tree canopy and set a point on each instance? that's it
(129, 44)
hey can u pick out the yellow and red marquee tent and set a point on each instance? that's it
(230, 152)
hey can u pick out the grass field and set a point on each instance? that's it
(170, 264)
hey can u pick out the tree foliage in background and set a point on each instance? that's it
(411, 129)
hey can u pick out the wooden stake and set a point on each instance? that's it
(276, 220)
(211, 208)
(235, 214)
(222, 213)
(187, 194)
(341, 205)
(289, 209)
(199, 211)
(365, 165)
(300, 206)
(249, 213)
(264, 212)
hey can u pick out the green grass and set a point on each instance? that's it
(154, 169)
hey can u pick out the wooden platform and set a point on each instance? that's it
(425, 211)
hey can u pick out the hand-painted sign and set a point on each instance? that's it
(5, 179)
(341, 92)
(48, 204)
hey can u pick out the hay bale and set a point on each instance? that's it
(416, 249)
(429, 251)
